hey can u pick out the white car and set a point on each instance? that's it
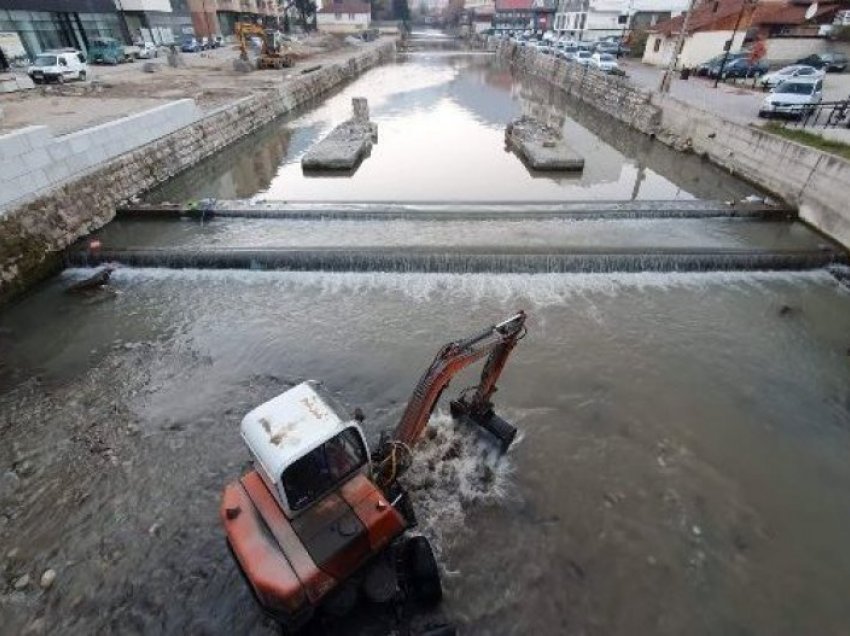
(794, 98)
(790, 72)
(147, 50)
(58, 66)
(583, 57)
(604, 62)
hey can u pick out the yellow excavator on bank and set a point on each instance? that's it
(274, 54)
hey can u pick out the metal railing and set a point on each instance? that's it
(824, 115)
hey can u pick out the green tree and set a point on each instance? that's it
(401, 10)
(306, 13)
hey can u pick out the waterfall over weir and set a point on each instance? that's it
(461, 262)
(461, 238)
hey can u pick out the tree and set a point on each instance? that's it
(306, 12)
(401, 10)
(841, 34)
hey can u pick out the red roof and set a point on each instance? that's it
(721, 15)
(708, 16)
(513, 5)
(347, 6)
(787, 13)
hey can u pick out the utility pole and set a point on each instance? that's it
(680, 43)
(730, 43)
(625, 25)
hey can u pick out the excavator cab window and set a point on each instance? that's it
(323, 468)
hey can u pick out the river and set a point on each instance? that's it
(682, 459)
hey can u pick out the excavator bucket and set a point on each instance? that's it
(501, 429)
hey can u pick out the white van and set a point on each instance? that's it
(58, 66)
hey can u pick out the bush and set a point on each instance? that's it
(638, 43)
(841, 34)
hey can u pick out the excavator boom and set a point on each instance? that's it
(496, 343)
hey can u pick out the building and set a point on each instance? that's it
(158, 21)
(344, 16)
(513, 15)
(51, 24)
(790, 30)
(479, 14)
(543, 14)
(595, 19)
(219, 17)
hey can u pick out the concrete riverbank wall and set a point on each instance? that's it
(808, 179)
(33, 233)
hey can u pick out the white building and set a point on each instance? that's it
(594, 19)
(344, 16)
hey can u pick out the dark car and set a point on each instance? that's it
(704, 68)
(740, 67)
(830, 62)
(190, 45)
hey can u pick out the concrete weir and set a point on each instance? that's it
(541, 146)
(33, 234)
(347, 144)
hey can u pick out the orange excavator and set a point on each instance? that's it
(273, 53)
(318, 521)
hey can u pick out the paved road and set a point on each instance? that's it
(737, 102)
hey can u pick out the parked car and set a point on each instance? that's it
(147, 50)
(583, 57)
(739, 67)
(794, 98)
(829, 62)
(58, 66)
(605, 62)
(790, 72)
(107, 51)
(190, 44)
(218, 41)
(704, 68)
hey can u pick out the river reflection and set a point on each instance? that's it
(441, 119)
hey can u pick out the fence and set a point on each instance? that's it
(823, 115)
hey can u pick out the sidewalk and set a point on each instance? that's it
(735, 102)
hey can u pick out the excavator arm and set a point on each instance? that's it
(496, 342)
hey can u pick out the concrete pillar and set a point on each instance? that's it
(360, 107)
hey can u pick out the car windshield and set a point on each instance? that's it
(584, 53)
(605, 57)
(317, 472)
(45, 60)
(795, 88)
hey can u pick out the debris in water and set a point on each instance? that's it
(48, 578)
(94, 282)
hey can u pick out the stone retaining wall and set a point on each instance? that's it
(33, 161)
(614, 95)
(33, 235)
(815, 182)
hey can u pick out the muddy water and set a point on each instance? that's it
(682, 464)
(441, 118)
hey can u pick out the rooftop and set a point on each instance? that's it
(347, 6)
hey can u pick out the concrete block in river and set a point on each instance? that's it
(541, 146)
(347, 144)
